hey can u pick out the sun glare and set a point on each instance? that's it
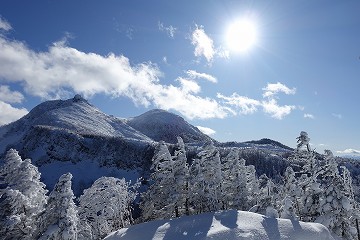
(241, 35)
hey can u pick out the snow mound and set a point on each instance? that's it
(222, 225)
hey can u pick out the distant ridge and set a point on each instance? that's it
(270, 142)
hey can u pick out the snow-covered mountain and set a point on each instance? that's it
(221, 225)
(60, 136)
(162, 125)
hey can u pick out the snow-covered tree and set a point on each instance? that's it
(287, 210)
(336, 206)
(22, 200)
(206, 180)
(158, 201)
(181, 180)
(234, 189)
(303, 141)
(267, 198)
(106, 207)
(60, 220)
(252, 185)
(291, 193)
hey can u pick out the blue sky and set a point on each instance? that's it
(127, 57)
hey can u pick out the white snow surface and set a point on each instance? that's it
(222, 225)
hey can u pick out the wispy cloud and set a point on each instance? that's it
(204, 45)
(269, 104)
(130, 33)
(170, 30)
(4, 25)
(274, 88)
(10, 113)
(196, 75)
(308, 115)
(349, 151)
(47, 75)
(206, 130)
(244, 105)
(164, 59)
(6, 95)
(337, 115)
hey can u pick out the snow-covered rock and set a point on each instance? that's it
(222, 225)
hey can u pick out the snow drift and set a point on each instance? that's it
(222, 225)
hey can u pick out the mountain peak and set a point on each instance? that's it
(78, 98)
(159, 125)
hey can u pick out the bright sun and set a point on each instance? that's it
(241, 35)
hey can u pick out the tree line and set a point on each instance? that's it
(319, 191)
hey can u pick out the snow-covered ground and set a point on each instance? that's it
(223, 225)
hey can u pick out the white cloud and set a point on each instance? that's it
(244, 104)
(308, 115)
(276, 111)
(194, 75)
(6, 95)
(204, 45)
(9, 113)
(62, 69)
(189, 86)
(4, 25)
(270, 105)
(170, 30)
(206, 130)
(349, 151)
(337, 115)
(274, 88)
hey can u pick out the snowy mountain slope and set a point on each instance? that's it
(222, 225)
(75, 115)
(73, 131)
(162, 125)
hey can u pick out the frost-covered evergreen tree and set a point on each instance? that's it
(267, 198)
(106, 207)
(234, 189)
(181, 180)
(290, 194)
(22, 200)
(60, 220)
(309, 202)
(252, 185)
(158, 200)
(206, 179)
(336, 206)
(287, 209)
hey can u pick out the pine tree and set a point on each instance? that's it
(158, 200)
(336, 206)
(234, 190)
(181, 180)
(291, 193)
(24, 198)
(60, 220)
(206, 188)
(252, 186)
(267, 198)
(106, 206)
